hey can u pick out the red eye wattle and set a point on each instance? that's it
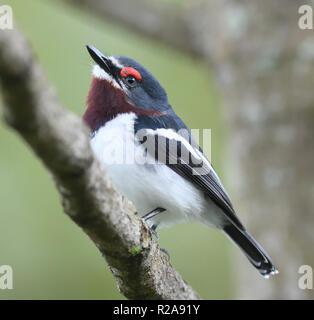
(128, 71)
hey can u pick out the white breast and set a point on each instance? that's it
(148, 186)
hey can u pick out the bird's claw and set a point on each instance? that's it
(166, 252)
(154, 232)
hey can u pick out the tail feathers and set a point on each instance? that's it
(254, 252)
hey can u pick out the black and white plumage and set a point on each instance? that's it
(127, 107)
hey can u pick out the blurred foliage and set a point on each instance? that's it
(50, 256)
(180, 2)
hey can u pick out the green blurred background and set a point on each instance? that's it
(50, 256)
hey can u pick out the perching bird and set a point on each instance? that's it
(127, 108)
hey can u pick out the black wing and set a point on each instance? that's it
(187, 159)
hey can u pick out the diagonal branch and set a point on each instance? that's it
(167, 22)
(61, 141)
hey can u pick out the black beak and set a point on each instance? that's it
(99, 58)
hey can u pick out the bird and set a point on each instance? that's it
(152, 157)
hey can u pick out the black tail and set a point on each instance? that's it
(254, 252)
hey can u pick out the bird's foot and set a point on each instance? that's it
(166, 252)
(154, 232)
(150, 215)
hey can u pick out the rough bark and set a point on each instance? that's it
(61, 141)
(264, 65)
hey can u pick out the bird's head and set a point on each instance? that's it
(121, 85)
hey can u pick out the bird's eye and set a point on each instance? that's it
(130, 76)
(131, 81)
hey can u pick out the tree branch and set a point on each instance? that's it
(88, 196)
(163, 21)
